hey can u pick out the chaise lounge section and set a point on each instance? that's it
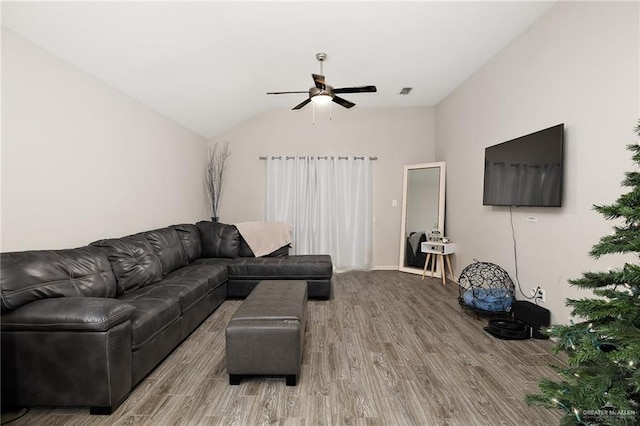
(245, 273)
(81, 327)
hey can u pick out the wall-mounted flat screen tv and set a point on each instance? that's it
(526, 171)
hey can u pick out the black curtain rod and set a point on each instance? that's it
(312, 157)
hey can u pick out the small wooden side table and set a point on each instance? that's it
(437, 248)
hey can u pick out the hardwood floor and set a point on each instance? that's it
(387, 349)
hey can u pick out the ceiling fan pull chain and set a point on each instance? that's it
(313, 109)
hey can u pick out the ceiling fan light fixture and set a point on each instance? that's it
(322, 93)
(321, 99)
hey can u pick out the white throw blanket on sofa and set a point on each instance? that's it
(265, 237)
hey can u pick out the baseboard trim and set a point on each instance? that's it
(385, 268)
(373, 268)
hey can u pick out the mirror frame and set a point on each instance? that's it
(441, 165)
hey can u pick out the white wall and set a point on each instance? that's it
(82, 161)
(397, 136)
(577, 65)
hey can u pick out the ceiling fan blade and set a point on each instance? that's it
(319, 80)
(345, 103)
(361, 89)
(302, 104)
(283, 93)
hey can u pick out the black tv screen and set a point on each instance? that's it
(526, 171)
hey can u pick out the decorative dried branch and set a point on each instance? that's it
(216, 174)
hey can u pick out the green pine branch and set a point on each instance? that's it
(632, 179)
(603, 310)
(591, 280)
(635, 148)
(626, 207)
(631, 276)
(621, 243)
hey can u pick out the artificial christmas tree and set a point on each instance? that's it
(600, 384)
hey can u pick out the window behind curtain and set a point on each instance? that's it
(328, 201)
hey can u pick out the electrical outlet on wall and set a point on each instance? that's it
(538, 294)
(542, 295)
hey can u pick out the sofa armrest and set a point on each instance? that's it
(68, 314)
(67, 352)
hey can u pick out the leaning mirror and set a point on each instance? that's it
(422, 213)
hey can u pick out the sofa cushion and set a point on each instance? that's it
(213, 269)
(133, 261)
(192, 283)
(154, 312)
(219, 240)
(190, 240)
(167, 246)
(211, 261)
(32, 275)
(302, 267)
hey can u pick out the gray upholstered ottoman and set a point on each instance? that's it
(266, 334)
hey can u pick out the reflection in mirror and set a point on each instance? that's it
(422, 213)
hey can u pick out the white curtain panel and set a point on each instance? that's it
(328, 200)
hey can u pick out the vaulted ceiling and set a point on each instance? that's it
(208, 65)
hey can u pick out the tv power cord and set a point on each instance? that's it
(535, 297)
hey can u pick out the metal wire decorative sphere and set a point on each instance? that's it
(486, 287)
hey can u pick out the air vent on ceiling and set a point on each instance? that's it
(406, 90)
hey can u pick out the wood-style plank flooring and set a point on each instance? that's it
(387, 349)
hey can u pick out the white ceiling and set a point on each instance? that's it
(208, 65)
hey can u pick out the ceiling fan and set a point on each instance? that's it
(323, 93)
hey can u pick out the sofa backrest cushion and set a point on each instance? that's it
(219, 240)
(32, 275)
(282, 251)
(190, 239)
(166, 245)
(245, 250)
(133, 261)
